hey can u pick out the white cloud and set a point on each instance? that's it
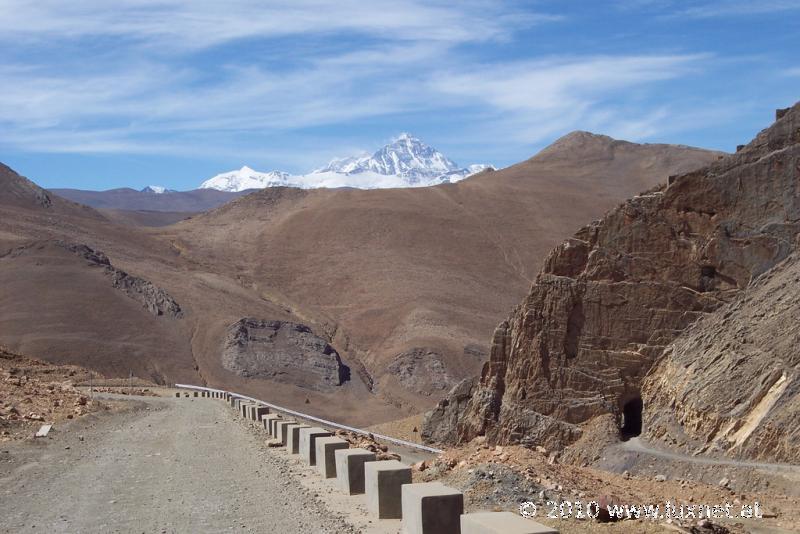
(203, 23)
(47, 110)
(134, 71)
(136, 85)
(532, 100)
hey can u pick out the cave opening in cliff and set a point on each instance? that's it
(632, 418)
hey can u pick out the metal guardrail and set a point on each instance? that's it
(324, 422)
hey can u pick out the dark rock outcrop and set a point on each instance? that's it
(611, 299)
(284, 350)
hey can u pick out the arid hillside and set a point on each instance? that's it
(388, 296)
(409, 282)
(615, 298)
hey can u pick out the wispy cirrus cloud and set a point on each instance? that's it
(532, 100)
(106, 73)
(204, 23)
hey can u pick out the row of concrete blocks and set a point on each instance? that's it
(202, 394)
(425, 508)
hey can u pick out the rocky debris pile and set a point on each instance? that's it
(270, 349)
(501, 477)
(421, 370)
(610, 300)
(360, 441)
(34, 392)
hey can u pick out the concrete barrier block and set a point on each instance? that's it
(308, 445)
(350, 469)
(246, 409)
(259, 412)
(293, 438)
(273, 426)
(280, 430)
(501, 523)
(326, 455)
(178, 394)
(233, 400)
(431, 508)
(382, 484)
(268, 419)
(195, 394)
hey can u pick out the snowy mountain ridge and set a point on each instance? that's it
(156, 190)
(405, 162)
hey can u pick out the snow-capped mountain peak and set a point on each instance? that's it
(247, 178)
(404, 162)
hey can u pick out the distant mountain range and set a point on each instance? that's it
(405, 162)
(152, 199)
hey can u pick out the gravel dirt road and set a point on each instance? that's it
(163, 465)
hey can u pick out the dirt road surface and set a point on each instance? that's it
(165, 465)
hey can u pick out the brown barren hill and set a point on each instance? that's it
(408, 283)
(617, 297)
(391, 293)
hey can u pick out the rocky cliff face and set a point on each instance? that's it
(279, 349)
(610, 300)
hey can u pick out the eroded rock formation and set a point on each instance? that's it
(154, 299)
(610, 300)
(279, 349)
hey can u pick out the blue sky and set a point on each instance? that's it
(170, 92)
